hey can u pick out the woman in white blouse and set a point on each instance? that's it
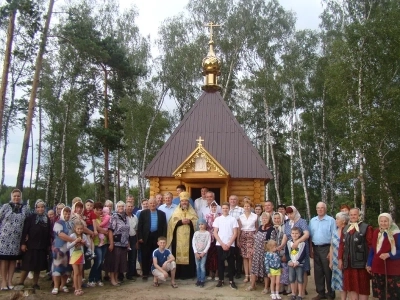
(248, 225)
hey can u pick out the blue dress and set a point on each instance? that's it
(337, 275)
(302, 224)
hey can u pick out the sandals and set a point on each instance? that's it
(65, 289)
(174, 285)
(250, 288)
(78, 292)
(265, 291)
(246, 278)
(156, 284)
(54, 291)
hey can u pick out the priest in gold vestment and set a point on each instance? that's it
(181, 228)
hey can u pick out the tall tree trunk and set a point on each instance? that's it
(61, 181)
(385, 184)
(32, 160)
(94, 178)
(106, 152)
(332, 176)
(141, 179)
(276, 180)
(302, 169)
(6, 67)
(292, 155)
(267, 141)
(32, 100)
(39, 150)
(49, 177)
(118, 175)
(66, 187)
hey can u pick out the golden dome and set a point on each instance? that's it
(211, 65)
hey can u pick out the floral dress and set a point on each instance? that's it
(12, 217)
(257, 264)
(277, 235)
(60, 250)
(337, 275)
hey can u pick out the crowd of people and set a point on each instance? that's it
(181, 238)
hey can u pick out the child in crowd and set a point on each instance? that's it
(272, 263)
(201, 243)
(296, 257)
(163, 262)
(212, 255)
(88, 216)
(105, 222)
(77, 258)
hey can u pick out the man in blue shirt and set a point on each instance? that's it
(321, 230)
(168, 207)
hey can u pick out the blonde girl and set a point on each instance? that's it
(273, 267)
(77, 257)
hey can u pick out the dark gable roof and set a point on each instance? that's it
(223, 136)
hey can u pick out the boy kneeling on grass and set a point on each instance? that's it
(163, 262)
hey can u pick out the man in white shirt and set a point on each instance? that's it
(235, 211)
(225, 233)
(210, 198)
(201, 202)
(168, 207)
(132, 253)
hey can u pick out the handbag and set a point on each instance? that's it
(117, 238)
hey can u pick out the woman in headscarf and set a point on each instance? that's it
(384, 259)
(212, 255)
(115, 261)
(12, 217)
(342, 218)
(35, 243)
(279, 236)
(353, 254)
(295, 220)
(179, 236)
(61, 268)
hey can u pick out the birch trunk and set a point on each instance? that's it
(32, 100)
(385, 185)
(276, 180)
(66, 188)
(267, 141)
(332, 178)
(94, 178)
(291, 155)
(106, 152)
(141, 179)
(303, 176)
(39, 154)
(6, 67)
(49, 177)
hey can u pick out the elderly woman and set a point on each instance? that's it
(12, 217)
(353, 255)
(61, 268)
(35, 242)
(257, 265)
(384, 259)
(118, 235)
(295, 220)
(179, 236)
(59, 208)
(342, 218)
(212, 255)
(279, 236)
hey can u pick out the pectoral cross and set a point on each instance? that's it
(211, 25)
(199, 140)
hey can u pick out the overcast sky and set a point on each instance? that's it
(151, 14)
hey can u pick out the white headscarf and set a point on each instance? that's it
(392, 230)
(297, 216)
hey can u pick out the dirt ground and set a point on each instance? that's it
(144, 290)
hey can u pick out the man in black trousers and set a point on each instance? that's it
(152, 225)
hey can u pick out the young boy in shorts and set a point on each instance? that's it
(163, 262)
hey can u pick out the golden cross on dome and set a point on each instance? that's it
(211, 25)
(199, 140)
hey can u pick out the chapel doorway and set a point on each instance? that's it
(195, 193)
